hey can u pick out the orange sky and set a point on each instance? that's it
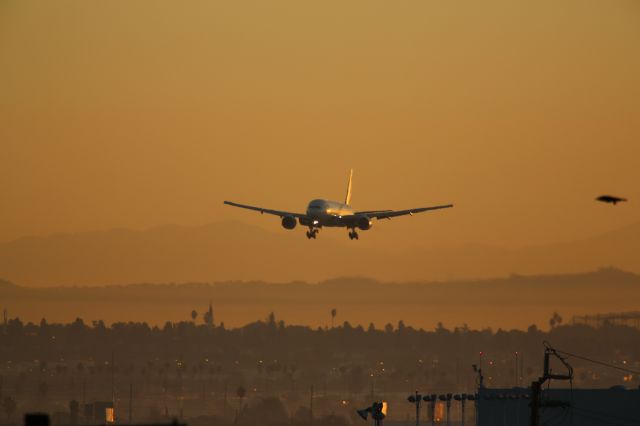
(134, 114)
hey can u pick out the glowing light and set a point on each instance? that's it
(109, 415)
(384, 408)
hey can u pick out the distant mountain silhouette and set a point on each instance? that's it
(235, 251)
(514, 301)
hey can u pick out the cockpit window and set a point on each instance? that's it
(316, 204)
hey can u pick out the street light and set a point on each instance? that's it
(432, 402)
(463, 399)
(378, 411)
(416, 399)
(447, 398)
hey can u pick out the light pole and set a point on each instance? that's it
(416, 399)
(447, 398)
(463, 399)
(474, 398)
(516, 370)
(431, 399)
(480, 370)
(378, 411)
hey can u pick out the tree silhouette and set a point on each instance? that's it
(555, 320)
(271, 319)
(208, 316)
(334, 312)
(412, 357)
(194, 315)
(240, 392)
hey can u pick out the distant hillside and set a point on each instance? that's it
(236, 251)
(516, 301)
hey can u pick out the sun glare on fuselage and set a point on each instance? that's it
(318, 208)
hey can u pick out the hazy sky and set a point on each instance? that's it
(135, 114)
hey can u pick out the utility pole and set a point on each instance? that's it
(224, 407)
(516, 370)
(311, 405)
(536, 385)
(113, 381)
(84, 392)
(130, 404)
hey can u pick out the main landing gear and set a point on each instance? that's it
(312, 232)
(353, 234)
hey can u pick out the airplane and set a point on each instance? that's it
(326, 213)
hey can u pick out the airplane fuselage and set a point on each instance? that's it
(326, 213)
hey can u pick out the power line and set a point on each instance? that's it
(605, 364)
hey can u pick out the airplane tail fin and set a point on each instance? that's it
(347, 199)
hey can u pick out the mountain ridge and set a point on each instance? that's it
(233, 250)
(513, 301)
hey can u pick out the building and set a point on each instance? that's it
(559, 407)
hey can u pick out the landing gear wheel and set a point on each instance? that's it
(312, 233)
(353, 235)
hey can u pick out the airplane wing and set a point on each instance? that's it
(263, 210)
(388, 214)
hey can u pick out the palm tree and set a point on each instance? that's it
(334, 312)
(241, 392)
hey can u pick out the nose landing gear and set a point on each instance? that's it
(312, 233)
(353, 234)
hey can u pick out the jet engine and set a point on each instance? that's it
(364, 223)
(288, 222)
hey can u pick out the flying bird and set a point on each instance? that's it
(610, 199)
